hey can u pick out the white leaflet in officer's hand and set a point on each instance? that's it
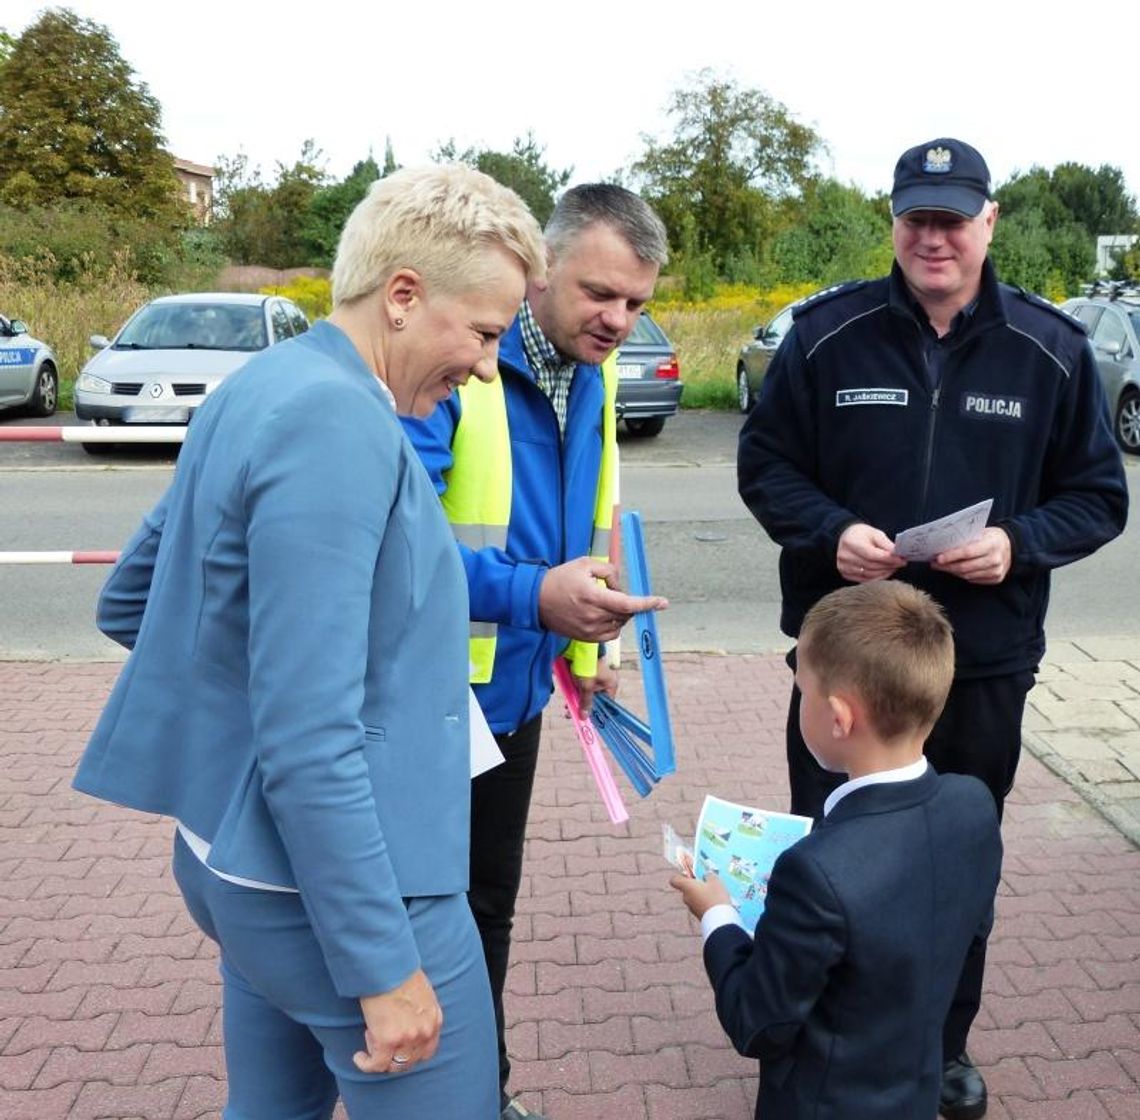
(925, 542)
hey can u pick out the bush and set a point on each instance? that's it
(73, 239)
(312, 294)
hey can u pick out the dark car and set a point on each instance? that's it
(649, 379)
(756, 355)
(1113, 323)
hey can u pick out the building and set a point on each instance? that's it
(198, 181)
(1108, 246)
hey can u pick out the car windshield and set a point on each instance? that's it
(195, 326)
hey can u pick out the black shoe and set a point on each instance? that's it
(963, 1090)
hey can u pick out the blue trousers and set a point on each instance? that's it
(289, 1037)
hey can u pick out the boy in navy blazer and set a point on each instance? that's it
(843, 992)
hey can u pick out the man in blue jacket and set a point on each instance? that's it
(526, 473)
(895, 401)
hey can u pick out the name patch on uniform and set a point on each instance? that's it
(1011, 409)
(845, 397)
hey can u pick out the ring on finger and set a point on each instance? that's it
(400, 1059)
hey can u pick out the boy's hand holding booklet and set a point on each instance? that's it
(740, 845)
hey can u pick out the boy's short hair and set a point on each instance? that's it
(889, 642)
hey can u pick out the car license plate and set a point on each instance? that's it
(156, 415)
(628, 372)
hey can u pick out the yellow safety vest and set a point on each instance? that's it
(477, 498)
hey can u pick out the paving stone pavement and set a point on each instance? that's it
(109, 995)
(1083, 721)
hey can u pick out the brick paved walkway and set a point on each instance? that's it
(109, 996)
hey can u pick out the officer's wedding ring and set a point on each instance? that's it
(399, 1059)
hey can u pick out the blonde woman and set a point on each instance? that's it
(296, 696)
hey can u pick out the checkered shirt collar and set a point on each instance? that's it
(552, 372)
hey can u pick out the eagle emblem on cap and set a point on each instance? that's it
(938, 161)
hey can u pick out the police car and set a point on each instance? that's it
(29, 373)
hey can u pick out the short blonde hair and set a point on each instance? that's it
(439, 221)
(891, 644)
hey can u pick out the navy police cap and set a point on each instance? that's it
(942, 174)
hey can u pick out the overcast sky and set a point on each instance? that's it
(590, 78)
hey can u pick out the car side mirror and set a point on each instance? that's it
(99, 342)
(17, 326)
(758, 332)
(1112, 349)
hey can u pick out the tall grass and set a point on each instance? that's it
(708, 336)
(65, 315)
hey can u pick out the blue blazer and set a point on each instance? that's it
(866, 925)
(297, 691)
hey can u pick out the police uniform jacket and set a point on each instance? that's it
(850, 427)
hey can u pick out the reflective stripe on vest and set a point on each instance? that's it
(477, 498)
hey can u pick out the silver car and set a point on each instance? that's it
(649, 379)
(173, 352)
(1113, 323)
(29, 373)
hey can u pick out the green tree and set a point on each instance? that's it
(390, 163)
(523, 169)
(1049, 222)
(78, 125)
(330, 208)
(839, 234)
(1098, 200)
(734, 155)
(1051, 261)
(266, 224)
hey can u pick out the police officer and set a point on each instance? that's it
(895, 401)
(527, 473)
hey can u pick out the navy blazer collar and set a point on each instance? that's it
(884, 797)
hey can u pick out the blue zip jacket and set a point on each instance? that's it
(848, 428)
(554, 487)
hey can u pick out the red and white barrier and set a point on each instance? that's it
(88, 557)
(77, 433)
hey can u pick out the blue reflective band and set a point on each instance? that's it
(652, 671)
(608, 716)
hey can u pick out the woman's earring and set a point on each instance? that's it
(398, 324)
